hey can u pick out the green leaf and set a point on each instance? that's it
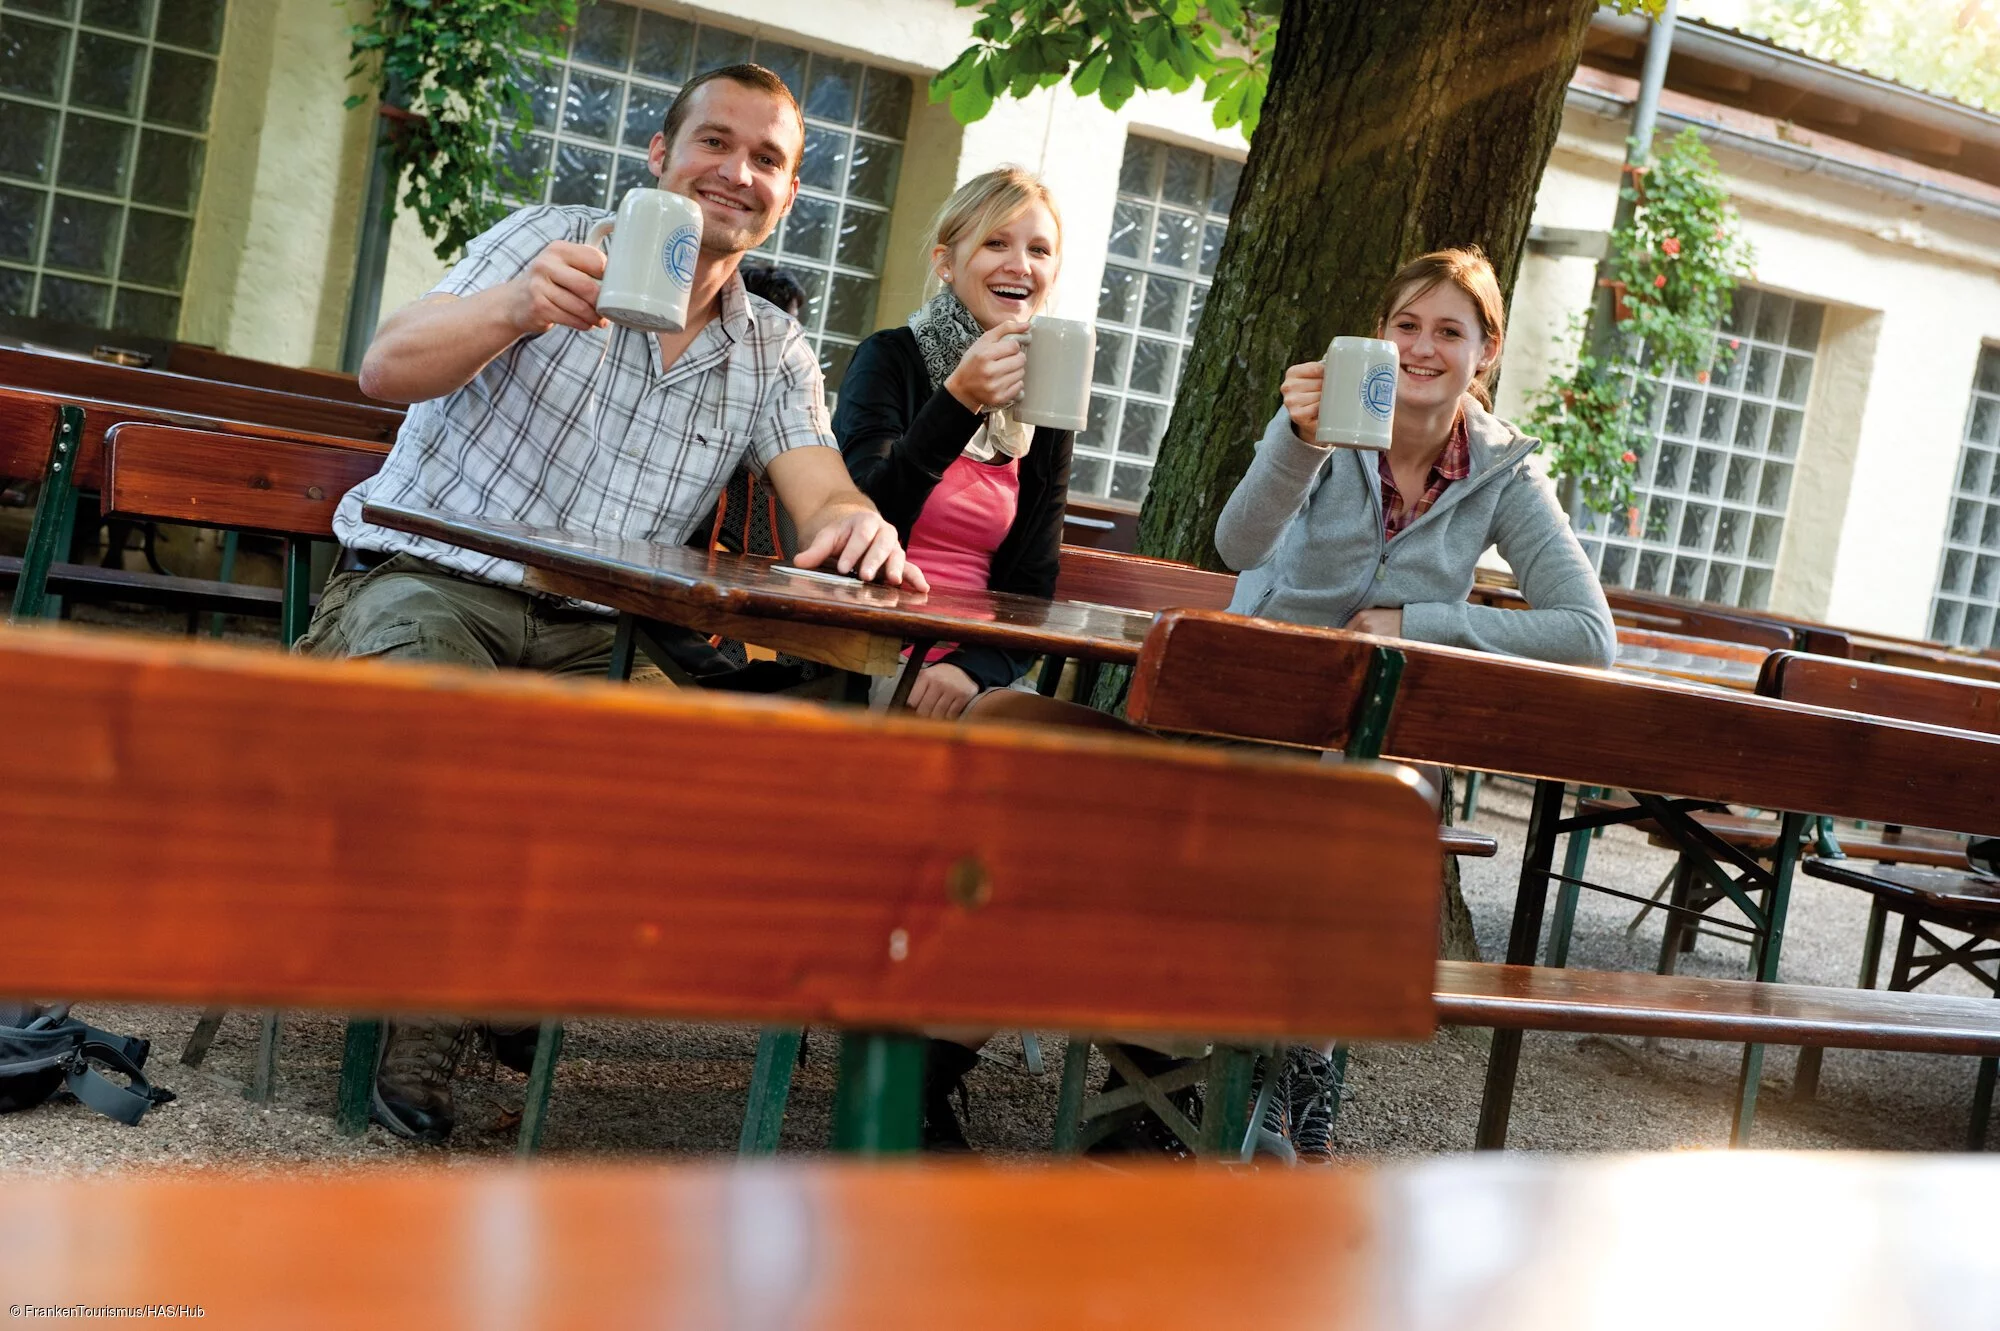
(1090, 73)
(971, 102)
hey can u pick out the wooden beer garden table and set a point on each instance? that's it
(835, 620)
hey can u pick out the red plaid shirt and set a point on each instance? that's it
(1454, 464)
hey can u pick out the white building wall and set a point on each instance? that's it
(1912, 292)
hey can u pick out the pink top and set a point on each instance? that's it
(962, 523)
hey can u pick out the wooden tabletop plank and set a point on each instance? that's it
(268, 830)
(654, 578)
(1256, 679)
(1105, 577)
(1502, 1243)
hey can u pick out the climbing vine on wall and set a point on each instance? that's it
(1675, 266)
(445, 71)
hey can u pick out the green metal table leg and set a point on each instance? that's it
(1473, 782)
(878, 1105)
(357, 1076)
(1069, 1101)
(55, 519)
(296, 611)
(1225, 1110)
(1031, 1053)
(230, 541)
(1791, 829)
(541, 1081)
(1576, 858)
(770, 1090)
(1530, 900)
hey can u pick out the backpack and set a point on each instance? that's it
(44, 1048)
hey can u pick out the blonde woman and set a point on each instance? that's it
(924, 423)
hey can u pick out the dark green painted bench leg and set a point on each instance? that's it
(264, 1075)
(1473, 781)
(230, 542)
(878, 1105)
(1069, 1101)
(1791, 829)
(1576, 858)
(204, 1035)
(770, 1090)
(357, 1076)
(541, 1081)
(54, 521)
(1031, 1053)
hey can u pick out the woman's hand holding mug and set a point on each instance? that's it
(1301, 392)
(993, 370)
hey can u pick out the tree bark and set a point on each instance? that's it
(1390, 129)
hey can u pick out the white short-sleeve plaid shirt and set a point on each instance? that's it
(641, 454)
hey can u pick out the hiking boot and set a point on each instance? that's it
(945, 1064)
(1147, 1134)
(1314, 1091)
(413, 1079)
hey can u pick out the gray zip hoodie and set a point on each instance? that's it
(1305, 529)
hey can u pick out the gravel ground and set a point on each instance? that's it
(648, 1088)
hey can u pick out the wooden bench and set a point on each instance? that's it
(543, 846)
(1214, 674)
(62, 440)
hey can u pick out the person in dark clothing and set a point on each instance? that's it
(923, 422)
(774, 284)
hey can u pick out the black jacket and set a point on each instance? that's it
(898, 437)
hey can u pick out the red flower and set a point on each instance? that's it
(1701, 378)
(1735, 343)
(1660, 281)
(1670, 246)
(1629, 457)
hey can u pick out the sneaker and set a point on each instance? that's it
(1312, 1083)
(413, 1078)
(1276, 1124)
(945, 1065)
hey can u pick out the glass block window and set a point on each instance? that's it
(1966, 611)
(103, 126)
(1715, 482)
(597, 109)
(1173, 206)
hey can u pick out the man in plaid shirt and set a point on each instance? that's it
(530, 408)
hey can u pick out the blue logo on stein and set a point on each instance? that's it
(682, 249)
(1378, 391)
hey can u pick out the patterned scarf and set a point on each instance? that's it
(944, 329)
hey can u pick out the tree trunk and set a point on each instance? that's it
(1390, 129)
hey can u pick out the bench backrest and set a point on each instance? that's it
(215, 479)
(1929, 658)
(208, 363)
(28, 420)
(1907, 695)
(1207, 673)
(1137, 582)
(72, 378)
(373, 837)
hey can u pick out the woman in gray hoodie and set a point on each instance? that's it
(1386, 542)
